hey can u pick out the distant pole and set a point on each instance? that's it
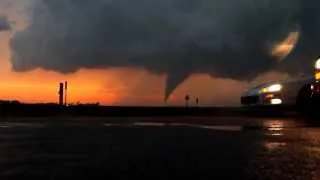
(197, 101)
(65, 93)
(187, 98)
(60, 94)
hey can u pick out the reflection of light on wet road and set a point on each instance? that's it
(222, 128)
(212, 127)
(314, 149)
(111, 124)
(316, 175)
(275, 133)
(4, 126)
(274, 127)
(149, 124)
(266, 148)
(274, 145)
(311, 140)
(27, 125)
(290, 150)
(152, 124)
(312, 134)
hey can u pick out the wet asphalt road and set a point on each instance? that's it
(205, 148)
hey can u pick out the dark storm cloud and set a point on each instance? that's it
(4, 24)
(308, 48)
(223, 38)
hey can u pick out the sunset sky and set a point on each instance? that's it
(112, 86)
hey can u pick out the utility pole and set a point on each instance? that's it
(60, 94)
(65, 95)
(197, 101)
(187, 98)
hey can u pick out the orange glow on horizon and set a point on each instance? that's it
(40, 86)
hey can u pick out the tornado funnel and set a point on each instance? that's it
(173, 81)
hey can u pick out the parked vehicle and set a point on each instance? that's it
(315, 87)
(289, 93)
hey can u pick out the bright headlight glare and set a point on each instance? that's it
(276, 101)
(272, 88)
(275, 88)
(317, 65)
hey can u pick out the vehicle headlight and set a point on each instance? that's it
(317, 64)
(317, 67)
(272, 88)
